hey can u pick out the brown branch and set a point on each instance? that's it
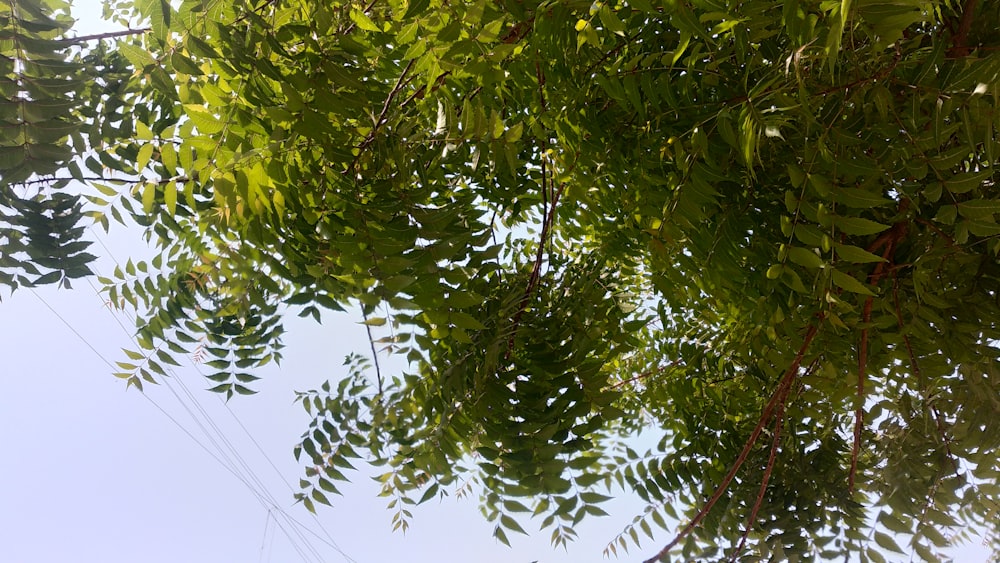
(959, 43)
(159, 182)
(775, 441)
(370, 138)
(421, 92)
(100, 36)
(933, 227)
(609, 54)
(888, 240)
(536, 270)
(786, 382)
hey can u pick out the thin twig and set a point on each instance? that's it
(371, 342)
(536, 271)
(786, 382)
(922, 384)
(382, 117)
(775, 441)
(888, 241)
(99, 36)
(159, 182)
(366, 9)
(646, 374)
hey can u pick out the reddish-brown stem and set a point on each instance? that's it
(859, 408)
(775, 441)
(786, 382)
(887, 240)
(536, 270)
(959, 43)
(382, 116)
(366, 9)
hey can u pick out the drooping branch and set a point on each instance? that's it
(536, 270)
(769, 410)
(775, 442)
(772, 457)
(888, 242)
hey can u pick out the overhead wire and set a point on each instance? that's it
(260, 497)
(263, 498)
(294, 524)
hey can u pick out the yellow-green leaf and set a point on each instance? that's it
(170, 196)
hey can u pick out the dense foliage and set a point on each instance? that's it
(763, 232)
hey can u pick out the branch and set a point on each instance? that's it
(775, 441)
(371, 342)
(161, 181)
(915, 367)
(888, 240)
(786, 382)
(370, 138)
(536, 270)
(959, 46)
(100, 36)
(610, 53)
(422, 91)
(366, 9)
(646, 374)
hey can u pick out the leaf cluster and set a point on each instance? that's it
(765, 230)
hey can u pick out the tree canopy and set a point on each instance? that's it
(738, 258)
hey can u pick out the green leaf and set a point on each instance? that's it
(856, 255)
(886, 541)
(499, 534)
(206, 122)
(962, 183)
(849, 283)
(170, 197)
(511, 524)
(978, 208)
(859, 198)
(858, 226)
(804, 257)
(429, 493)
(148, 197)
(363, 21)
(374, 321)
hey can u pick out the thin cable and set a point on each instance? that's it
(263, 539)
(239, 460)
(329, 538)
(229, 468)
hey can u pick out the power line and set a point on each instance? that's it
(328, 540)
(263, 498)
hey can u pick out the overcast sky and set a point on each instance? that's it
(90, 472)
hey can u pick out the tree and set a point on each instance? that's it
(765, 231)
